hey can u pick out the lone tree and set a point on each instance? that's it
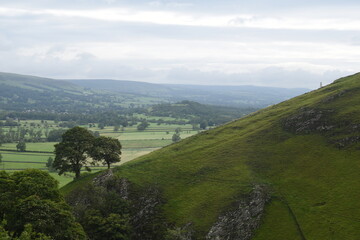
(21, 146)
(143, 125)
(178, 130)
(106, 150)
(72, 152)
(203, 124)
(116, 128)
(49, 165)
(176, 137)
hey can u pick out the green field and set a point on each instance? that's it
(40, 146)
(134, 144)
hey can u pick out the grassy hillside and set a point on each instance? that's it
(305, 149)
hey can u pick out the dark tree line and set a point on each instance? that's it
(197, 113)
(184, 112)
(22, 134)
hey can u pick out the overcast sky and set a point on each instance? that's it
(283, 43)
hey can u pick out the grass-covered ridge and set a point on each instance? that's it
(313, 173)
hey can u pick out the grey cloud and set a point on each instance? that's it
(43, 28)
(213, 6)
(272, 76)
(85, 56)
(5, 43)
(58, 33)
(87, 66)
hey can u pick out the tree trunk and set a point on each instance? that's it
(77, 174)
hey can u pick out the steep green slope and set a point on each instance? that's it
(306, 150)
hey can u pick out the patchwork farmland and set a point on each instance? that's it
(135, 143)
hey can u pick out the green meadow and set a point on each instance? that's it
(134, 144)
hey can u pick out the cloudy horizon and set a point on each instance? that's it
(282, 44)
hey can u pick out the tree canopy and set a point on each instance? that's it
(106, 150)
(79, 147)
(72, 152)
(30, 203)
(176, 137)
(143, 125)
(21, 146)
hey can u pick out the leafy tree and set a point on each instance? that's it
(106, 150)
(104, 214)
(38, 135)
(21, 146)
(143, 125)
(30, 234)
(23, 132)
(49, 165)
(2, 136)
(68, 124)
(35, 182)
(116, 128)
(71, 153)
(46, 216)
(111, 227)
(31, 207)
(176, 137)
(178, 130)
(204, 124)
(55, 135)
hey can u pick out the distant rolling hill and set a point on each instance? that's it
(29, 97)
(25, 93)
(289, 171)
(37, 83)
(30, 93)
(238, 96)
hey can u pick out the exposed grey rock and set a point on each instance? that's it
(102, 178)
(309, 120)
(334, 96)
(344, 142)
(112, 183)
(240, 223)
(319, 121)
(147, 219)
(123, 188)
(352, 128)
